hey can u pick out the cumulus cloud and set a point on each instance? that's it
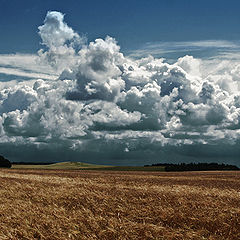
(107, 107)
(98, 72)
(60, 40)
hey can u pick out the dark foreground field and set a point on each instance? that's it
(68, 204)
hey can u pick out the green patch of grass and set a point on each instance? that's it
(60, 165)
(29, 166)
(74, 165)
(88, 166)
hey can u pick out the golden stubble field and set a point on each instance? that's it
(68, 204)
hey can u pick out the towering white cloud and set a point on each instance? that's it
(60, 39)
(107, 106)
(55, 32)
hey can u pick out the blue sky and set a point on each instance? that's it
(133, 23)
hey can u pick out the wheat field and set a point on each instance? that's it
(68, 204)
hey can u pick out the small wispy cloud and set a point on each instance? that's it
(26, 66)
(207, 48)
(20, 73)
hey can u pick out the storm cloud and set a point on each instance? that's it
(109, 108)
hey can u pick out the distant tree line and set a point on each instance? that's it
(170, 167)
(4, 163)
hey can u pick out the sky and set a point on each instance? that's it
(132, 23)
(121, 84)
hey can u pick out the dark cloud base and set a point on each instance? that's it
(114, 154)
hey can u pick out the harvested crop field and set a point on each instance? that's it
(68, 204)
